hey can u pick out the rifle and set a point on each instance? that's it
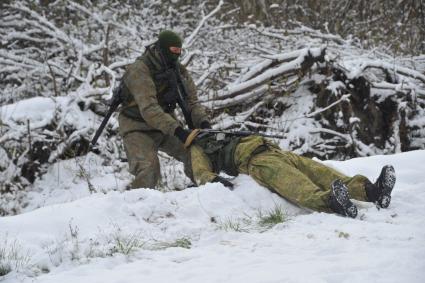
(220, 134)
(172, 75)
(114, 102)
(182, 95)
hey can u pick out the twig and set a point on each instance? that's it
(106, 53)
(29, 136)
(189, 41)
(343, 98)
(327, 131)
(55, 87)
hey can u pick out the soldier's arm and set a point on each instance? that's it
(198, 112)
(142, 87)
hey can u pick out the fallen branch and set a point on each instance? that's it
(304, 61)
(400, 87)
(240, 99)
(386, 67)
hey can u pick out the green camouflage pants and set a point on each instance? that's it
(202, 168)
(300, 180)
(142, 154)
(141, 144)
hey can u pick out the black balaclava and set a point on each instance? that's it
(167, 39)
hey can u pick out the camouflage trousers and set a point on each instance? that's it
(142, 154)
(142, 149)
(300, 180)
(141, 144)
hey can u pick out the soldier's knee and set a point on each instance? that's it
(145, 180)
(146, 174)
(138, 165)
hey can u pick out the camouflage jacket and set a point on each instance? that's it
(145, 107)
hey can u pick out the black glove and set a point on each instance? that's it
(181, 134)
(170, 100)
(222, 180)
(205, 125)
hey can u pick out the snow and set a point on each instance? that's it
(39, 109)
(39, 112)
(77, 222)
(72, 239)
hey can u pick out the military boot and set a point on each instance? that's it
(380, 192)
(339, 200)
(224, 181)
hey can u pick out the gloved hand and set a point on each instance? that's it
(205, 125)
(181, 134)
(185, 136)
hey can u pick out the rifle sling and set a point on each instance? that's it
(159, 76)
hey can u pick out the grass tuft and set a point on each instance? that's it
(272, 217)
(126, 244)
(237, 225)
(12, 258)
(184, 243)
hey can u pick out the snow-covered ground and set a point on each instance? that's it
(211, 234)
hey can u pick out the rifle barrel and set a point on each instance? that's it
(241, 133)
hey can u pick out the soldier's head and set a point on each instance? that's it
(171, 45)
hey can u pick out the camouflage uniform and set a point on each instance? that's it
(147, 121)
(300, 180)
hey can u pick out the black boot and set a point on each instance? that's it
(339, 200)
(223, 181)
(380, 192)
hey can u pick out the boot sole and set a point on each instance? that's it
(388, 182)
(340, 191)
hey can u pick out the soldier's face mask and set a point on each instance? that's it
(170, 44)
(174, 53)
(175, 50)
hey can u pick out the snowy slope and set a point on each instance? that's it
(76, 238)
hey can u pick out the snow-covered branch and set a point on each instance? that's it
(306, 58)
(189, 40)
(387, 67)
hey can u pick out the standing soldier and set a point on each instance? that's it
(152, 88)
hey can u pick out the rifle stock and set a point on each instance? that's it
(115, 102)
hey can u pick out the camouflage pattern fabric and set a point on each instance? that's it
(142, 154)
(202, 168)
(300, 180)
(144, 97)
(144, 123)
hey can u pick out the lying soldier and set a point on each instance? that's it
(300, 180)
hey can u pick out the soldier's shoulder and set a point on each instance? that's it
(182, 67)
(183, 70)
(138, 66)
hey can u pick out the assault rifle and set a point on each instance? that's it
(182, 97)
(173, 76)
(220, 134)
(114, 102)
